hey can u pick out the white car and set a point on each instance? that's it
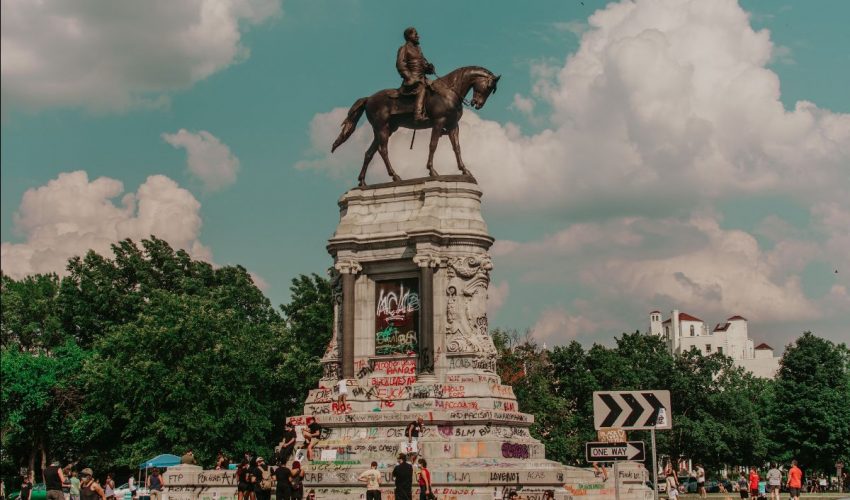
(123, 492)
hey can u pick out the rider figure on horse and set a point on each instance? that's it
(412, 66)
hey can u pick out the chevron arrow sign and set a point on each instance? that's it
(608, 452)
(632, 410)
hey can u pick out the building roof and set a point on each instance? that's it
(653, 312)
(721, 327)
(763, 346)
(688, 317)
(737, 318)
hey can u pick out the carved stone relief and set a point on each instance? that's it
(466, 310)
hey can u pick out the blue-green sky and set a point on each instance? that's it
(637, 156)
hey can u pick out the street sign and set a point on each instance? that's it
(631, 410)
(612, 436)
(609, 452)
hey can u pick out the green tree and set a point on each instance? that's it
(309, 313)
(811, 418)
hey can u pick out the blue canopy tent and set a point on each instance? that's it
(165, 460)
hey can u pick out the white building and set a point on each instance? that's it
(682, 331)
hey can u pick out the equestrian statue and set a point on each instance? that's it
(418, 104)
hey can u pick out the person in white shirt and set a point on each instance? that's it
(774, 481)
(672, 486)
(343, 393)
(373, 482)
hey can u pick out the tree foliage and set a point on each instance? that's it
(150, 351)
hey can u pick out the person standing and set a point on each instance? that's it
(795, 481)
(155, 483)
(672, 485)
(109, 487)
(53, 480)
(701, 481)
(263, 486)
(89, 489)
(403, 477)
(283, 488)
(424, 480)
(754, 482)
(288, 443)
(412, 432)
(774, 481)
(297, 481)
(742, 486)
(74, 491)
(242, 484)
(26, 487)
(373, 482)
(341, 403)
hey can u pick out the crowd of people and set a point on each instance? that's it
(758, 484)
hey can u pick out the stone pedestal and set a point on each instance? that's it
(411, 273)
(412, 341)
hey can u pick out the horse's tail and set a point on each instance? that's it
(350, 122)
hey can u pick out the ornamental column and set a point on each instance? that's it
(348, 270)
(426, 263)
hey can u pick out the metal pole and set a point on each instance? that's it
(616, 481)
(654, 467)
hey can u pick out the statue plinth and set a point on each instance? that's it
(411, 339)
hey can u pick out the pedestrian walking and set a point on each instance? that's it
(423, 477)
(373, 482)
(403, 477)
(155, 484)
(795, 481)
(89, 489)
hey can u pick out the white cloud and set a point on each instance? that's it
(664, 102)
(496, 297)
(121, 54)
(208, 159)
(70, 215)
(694, 265)
(524, 105)
(557, 326)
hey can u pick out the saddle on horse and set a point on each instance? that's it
(403, 102)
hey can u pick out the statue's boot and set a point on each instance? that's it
(419, 107)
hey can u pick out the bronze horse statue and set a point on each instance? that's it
(387, 110)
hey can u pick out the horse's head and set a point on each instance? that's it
(482, 87)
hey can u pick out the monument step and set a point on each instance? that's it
(432, 417)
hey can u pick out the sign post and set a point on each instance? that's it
(838, 467)
(634, 410)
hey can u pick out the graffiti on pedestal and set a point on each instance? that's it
(396, 316)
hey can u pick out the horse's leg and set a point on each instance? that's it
(384, 138)
(454, 136)
(436, 132)
(366, 160)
